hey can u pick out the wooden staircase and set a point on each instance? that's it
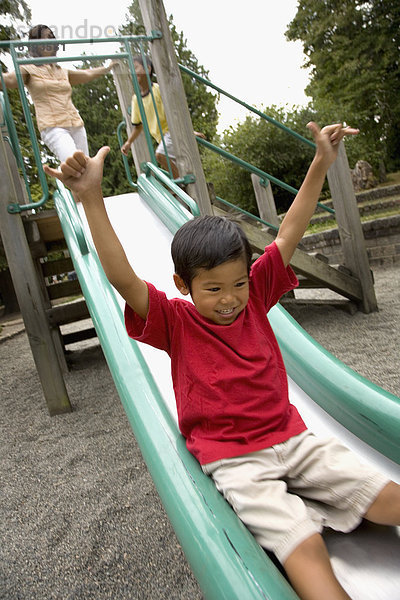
(45, 237)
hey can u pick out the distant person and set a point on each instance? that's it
(151, 117)
(230, 381)
(59, 122)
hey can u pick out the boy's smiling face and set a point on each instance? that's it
(219, 294)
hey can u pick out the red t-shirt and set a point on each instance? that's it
(229, 381)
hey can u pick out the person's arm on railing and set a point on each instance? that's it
(83, 176)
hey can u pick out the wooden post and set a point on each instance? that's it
(124, 86)
(29, 294)
(349, 227)
(265, 201)
(174, 98)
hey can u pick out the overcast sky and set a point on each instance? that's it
(245, 51)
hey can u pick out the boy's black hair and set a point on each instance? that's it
(35, 33)
(206, 242)
(149, 62)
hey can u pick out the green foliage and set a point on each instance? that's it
(201, 102)
(353, 51)
(267, 147)
(13, 12)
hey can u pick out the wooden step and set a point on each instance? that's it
(69, 312)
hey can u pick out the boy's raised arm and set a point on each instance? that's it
(83, 176)
(299, 214)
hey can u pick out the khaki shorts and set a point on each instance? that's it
(286, 493)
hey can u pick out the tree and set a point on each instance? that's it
(201, 102)
(353, 49)
(264, 146)
(14, 12)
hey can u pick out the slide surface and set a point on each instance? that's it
(366, 561)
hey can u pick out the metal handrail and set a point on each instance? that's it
(249, 167)
(252, 169)
(16, 207)
(124, 157)
(264, 116)
(174, 188)
(62, 42)
(9, 124)
(12, 44)
(247, 213)
(248, 106)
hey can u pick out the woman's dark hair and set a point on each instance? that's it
(35, 33)
(149, 62)
(206, 242)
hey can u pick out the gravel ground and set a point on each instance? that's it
(80, 517)
(369, 344)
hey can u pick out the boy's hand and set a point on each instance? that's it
(80, 173)
(328, 139)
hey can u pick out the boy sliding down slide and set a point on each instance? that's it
(229, 379)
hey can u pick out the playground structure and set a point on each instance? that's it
(230, 565)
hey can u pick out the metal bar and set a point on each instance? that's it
(251, 108)
(125, 158)
(133, 38)
(248, 214)
(13, 208)
(57, 59)
(256, 170)
(161, 176)
(12, 131)
(246, 165)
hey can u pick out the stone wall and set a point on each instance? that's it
(382, 239)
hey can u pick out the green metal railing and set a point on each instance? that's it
(125, 161)
(10, 134)
(248, 214)
(126, 41)
(264, 116)
(245, 165)
(252, 169)
(242, 163)
(17, 61)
